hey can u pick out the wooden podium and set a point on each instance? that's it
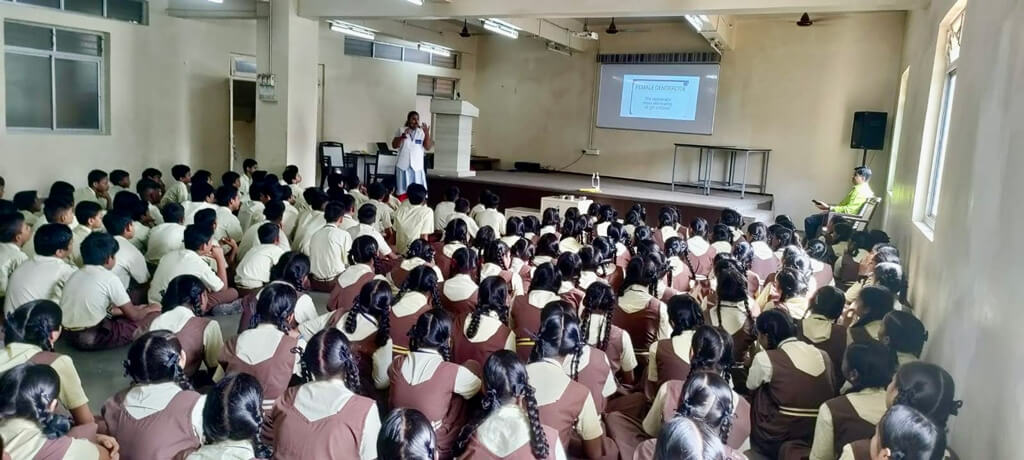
(453, 136)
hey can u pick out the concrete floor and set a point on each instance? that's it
(102, 372)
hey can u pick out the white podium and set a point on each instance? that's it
(453, 136)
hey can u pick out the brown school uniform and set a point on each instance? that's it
(834, 345)
(681, 280)
(400, 327)
(764, 267)
(362, 350)
(860, 334)
(614, 349)
(336, 436)
(191, 339)
(434, 398)
(846, 424)
(642, 326)
(399, 274)
(645, 451)
(670, 365)
(458, 307)
(273, 373)
(594, 376)
(463, 350)
(525, 274)
(574, 296)
(342, 297)
(526, 318)
(163, 435)
(563, 414)
(704, 263)
(476, 450)
(786, 408)
(740, 431)
(823, 277)
(849, 272)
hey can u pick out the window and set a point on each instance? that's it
(934, 156)
(135, 11)
(897, 132)
(392, 52)
(436, 87)
(54, 78)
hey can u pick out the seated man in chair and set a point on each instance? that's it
(859, 194)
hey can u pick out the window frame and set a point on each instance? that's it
(897, 132)
(144, 20)
(53, 56)
(433, 87)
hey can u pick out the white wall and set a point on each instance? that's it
(366, 99)
(787, 88)
(965, 282)
(168, 99)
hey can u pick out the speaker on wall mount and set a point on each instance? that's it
(868, 130)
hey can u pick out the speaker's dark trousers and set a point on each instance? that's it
(813, 223)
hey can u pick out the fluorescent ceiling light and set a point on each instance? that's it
(416, 2)
(353, 30)
(435, 49)
(695, 21)
(216, 1)
(501, 28)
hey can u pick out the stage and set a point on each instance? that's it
(525, 189)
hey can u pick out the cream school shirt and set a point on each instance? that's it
(182, 262)
(309, 223)
(225, 450)
(164, 239)
(250, 212)
(805, 357)
(176, 318)
(817, 328)
(177, 192)
(627, 357)
(492, 269)
(722, 247)
(609, 387)
(251, 239)
(130, 263)
(492, 217)
(324, 398)
(72, 395)
(78, 235)
(89, 295)
(471, 225)
(507, 429)
(489, 325)
(549, 380)
(681, 346)
(870, 406)
(254, 269)
(154, 213)
(260, 343)
(635, 299)
(412, 222)
(88, 194)
(24, 438)
(228, 225)
(569, 244)
(362, 229)
(421, 365)
(655, 416)
(365, 326)
(385, 214)
(192, 207)
(144, 400)
(10, 258)
(40, 277)
(408, 265)
(442, 212)
(290, 219)
(328, 251)
(459, 287)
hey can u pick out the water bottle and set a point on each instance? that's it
(594, 181)
(598, 177)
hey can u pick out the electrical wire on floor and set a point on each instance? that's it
(577, 160)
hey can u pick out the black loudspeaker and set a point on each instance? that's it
(868, 130)
(526, 166)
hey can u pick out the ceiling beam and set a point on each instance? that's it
(458, 9)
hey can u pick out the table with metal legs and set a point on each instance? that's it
(706, 160)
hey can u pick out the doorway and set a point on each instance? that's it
(243, 121)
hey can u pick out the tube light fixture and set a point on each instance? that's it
(698, 21)
(501, 28)
(216, 1)
(353, 30)
(416, 2)
(435, 49)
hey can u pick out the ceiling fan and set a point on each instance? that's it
(613, 29)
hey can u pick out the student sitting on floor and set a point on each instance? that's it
(459, 291)
(414, 220)
(904, 334)
(44, 275)
(151, 194)
(310, 220)
(328, 249)
(291, 179)
(721, 239)
(184, 304)
(820, 327)
(682, 278)
(485, 329)
(202, 196)
(376, 194)
(14, 232)
(232, 420)
(406, 434)
(329, 402)
(29, 205)
(254, 270)
(159, 415)
(670, 358)
(462, 213)
(367, 215)
(426, 380)
(570, 267)
(490, 215)
(514, 230)
(177, 190)
(129, 204)
(417, 294)
(30, 334)
(354, 188)
(572, 235)
(290, 217)
(456, 236)
(444, 210)
(639, 311)
(497, 261)
(596, 325)
(168, 236)
(130, 266)
(265, 351)
(189, 261)
(98, 312)
(98, 190)
(90, 219)
(509, 426)
(764, 263)
(420, 252)
(57, 209)
(31, 429)
(668, 221)
(873, 303)
(251, 212)
(228, 224)
(525, 315)
(273, 212)
(699, 250)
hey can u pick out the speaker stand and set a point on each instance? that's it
(864, 159)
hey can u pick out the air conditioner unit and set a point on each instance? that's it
(716, 29)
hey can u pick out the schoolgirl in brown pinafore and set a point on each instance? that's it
(273, 339)
(420, 253)
(417, 296)
(764, 262)
(681, 275)
(232, 420)
(133, 416)
(668, 220)
(325, 417)
(427, 381)
(497, 261)
(670, 358)
(643, 316)
(819, 328)
(570, 267)
(478, 334)
(456, 236)
(699, 251)
(361, 259)
(459, 291)
(525, 312)
(789, 382)
(599, 305)
(184, 303)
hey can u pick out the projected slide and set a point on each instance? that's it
(660, 97)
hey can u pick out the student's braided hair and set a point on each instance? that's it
(791, 284)
(522, 250)
(233, 411)
(890, 275)
(484, 236)
(708, 397)
(495, 254)
(406, 434)
(928, 388)
(514, 226)
(559, 335)
(505, 380)
(641, 234)
(492, 296)
(732, 287)
(908, 434)
(781, 236)
(599, 299)
(903, 332)
(364, 251)
(275, 306)
(743, 252)
(422, 279)
(642, 271)
(328, 355)
(596, 256)
(433, 329)
(677, 247)
(547, 245)
(456, 232)
(464, 261)
(33, 323)
(546, 278)
(757, 231)
(570, 266)
(26, 391)
(184, 291)
(374, 303)
(420, 248)
(550, 217)
(684, 313)
(667, 217)
(154, 358)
